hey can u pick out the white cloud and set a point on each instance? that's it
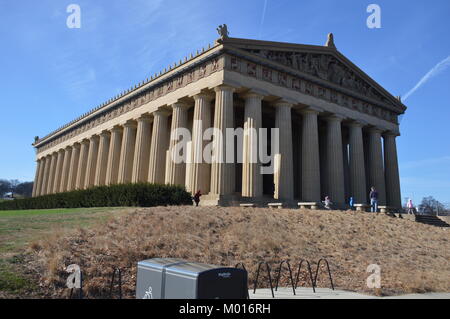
(438, 68)
(263, 17)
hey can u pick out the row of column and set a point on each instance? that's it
(364, 158)
(139, 151)
(367, 164)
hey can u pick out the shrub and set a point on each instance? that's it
(123, 195)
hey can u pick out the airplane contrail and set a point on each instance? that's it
(262, 18)
(438, 68)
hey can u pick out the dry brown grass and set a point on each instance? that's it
(413, 257)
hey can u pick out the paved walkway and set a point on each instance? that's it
(326, 293)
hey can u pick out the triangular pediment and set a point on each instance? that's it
(321, 62)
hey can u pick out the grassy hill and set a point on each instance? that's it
(18, 229)
(413, 257)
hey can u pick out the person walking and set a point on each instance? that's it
(410, 206)
(196, 197)
(327, 203)
(373, 200)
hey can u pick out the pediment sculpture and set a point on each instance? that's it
(323, 66)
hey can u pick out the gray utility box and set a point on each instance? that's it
(172, 278)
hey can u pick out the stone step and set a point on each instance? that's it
(275, 205)
(431, 220)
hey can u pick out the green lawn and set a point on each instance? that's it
(20, 228)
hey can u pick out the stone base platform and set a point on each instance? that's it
(239, 201)
(309, 205)
(361, 207)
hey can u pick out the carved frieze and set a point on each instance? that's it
(307, 87)
(296, 84)
(235, 64)
(323, 66)
(282, 79)
(251, 69)
(267, 74)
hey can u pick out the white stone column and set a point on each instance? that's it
(45, 177)
(345, 156)
(335, 162)
(65, 169)
(142, 149)
(127, 153)
(252, 179)
(112, 170)
(51, 179)
(91, 165)
(310, 157)
(36, 178)
(222, 173)
(41, 177)
(158, 147)
(189, 154)
(58, 171)
(324, 188)
(283, 122)
(102, 158)
(200, 171)
(176, 172)
(82, 164)
(358, 187)
(393, 194)
(73, 170)
(376, 169)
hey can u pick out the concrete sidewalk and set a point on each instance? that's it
(326, 293)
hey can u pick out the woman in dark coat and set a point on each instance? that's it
(196, 197)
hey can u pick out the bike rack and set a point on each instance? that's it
(81, 288)
(309, 271)
(328, 269)
(290, 275)
(268, 273)
(119, 281)
(243, 267)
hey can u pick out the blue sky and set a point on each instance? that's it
(50, 74)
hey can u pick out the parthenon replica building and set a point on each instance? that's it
(337, 129)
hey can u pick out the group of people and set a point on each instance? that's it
(373, 195)
(328, 204)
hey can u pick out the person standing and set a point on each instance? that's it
(373, 200)
(196, 197)
(351, 203)
(410, 206)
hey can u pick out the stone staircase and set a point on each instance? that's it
(431, 220)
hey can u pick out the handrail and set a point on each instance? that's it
(268, 273)
(309, 271)
(290, 275)
(329, 272)
(119, 277)
(243, 267)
